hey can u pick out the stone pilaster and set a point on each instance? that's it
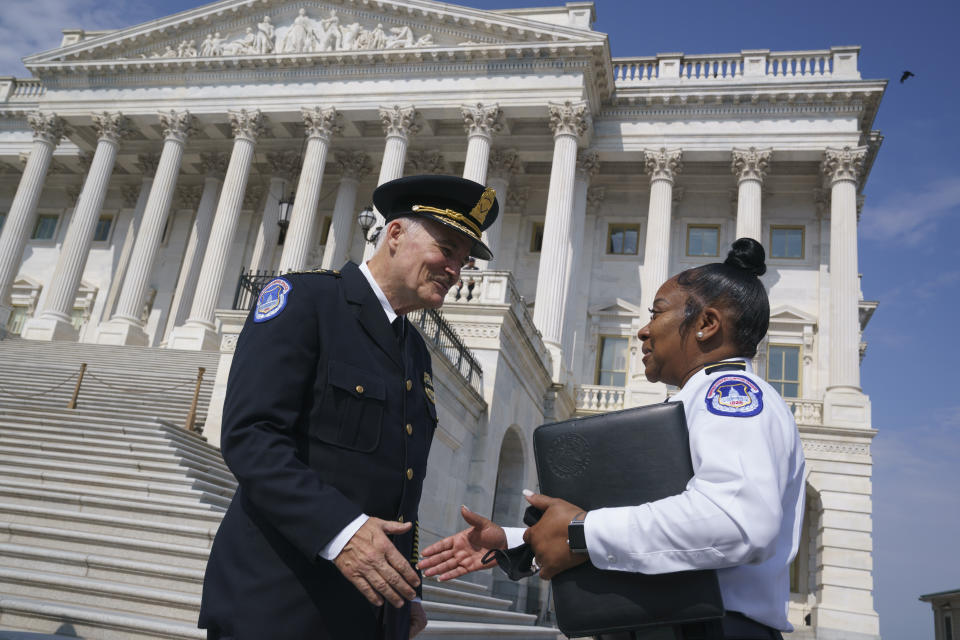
(199, 331)
(354, 167)
(126, 327)
(481, 122)
(750, 166)
(54, 322)
(48, 129)
(399, 125)
(569, 122)
(284, 166)
(502, 165)
(321, 126)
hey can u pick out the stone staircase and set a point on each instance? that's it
(107, 511)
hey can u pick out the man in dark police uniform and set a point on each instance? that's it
(328, 420)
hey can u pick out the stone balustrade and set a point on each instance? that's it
(752, 66)
(21, 89)
(594, 398)
(806, 412)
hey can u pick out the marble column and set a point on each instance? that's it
(54, 322)
(126, 326)
(199, 332)
(569, 122)
(502, 165)
(48, 129)
(750, 166)
(662, 165)
(283, 168)
(481, 122)
(354, 166)
(214, 167)
(321, 126)
(399, 125)
(842, 169)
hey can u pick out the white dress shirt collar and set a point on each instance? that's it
(381, 296)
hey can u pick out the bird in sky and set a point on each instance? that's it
(906, 74)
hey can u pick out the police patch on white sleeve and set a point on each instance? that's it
(734, 395)
(272, 300)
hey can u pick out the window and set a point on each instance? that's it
(325, 230)
(947, 627)
(18, 315)
(612, 367)
(623, 239)
(783, 369)
(102, 231)
(703, 240)
(786, 242)
(77, 319)
(536, 237)
(45, 228)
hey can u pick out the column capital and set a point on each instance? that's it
(569, 118)
(323, 123)
(750, 164)
(111, 127)
(426, 162)
(843, 164)
(177, 125)
(353, 164)
(147, 164)
(503, 163)
(595, 196)
(588, 163)
(188, 196)
(253, 195)
(247, 125)
(662, 164)
(283, 164)
(482, 120)
(400, 121)
(47, 127)
(517, 199)
(214, 163)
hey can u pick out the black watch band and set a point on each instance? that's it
(576, 536)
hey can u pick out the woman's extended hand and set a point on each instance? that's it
(462, 552)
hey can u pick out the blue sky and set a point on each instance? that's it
(908, 235)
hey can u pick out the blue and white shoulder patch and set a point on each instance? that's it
(734, 395)
(272, 300)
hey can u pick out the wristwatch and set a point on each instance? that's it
(576, 537)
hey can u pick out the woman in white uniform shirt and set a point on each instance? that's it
(740, 513)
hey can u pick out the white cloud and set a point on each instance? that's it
(31, 26)
(911, 217)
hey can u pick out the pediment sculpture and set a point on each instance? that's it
(304, 35)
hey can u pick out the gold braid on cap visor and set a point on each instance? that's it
(449, 213)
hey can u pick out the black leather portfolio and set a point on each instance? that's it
(619, 459)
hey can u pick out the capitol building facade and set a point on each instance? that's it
(151, 177)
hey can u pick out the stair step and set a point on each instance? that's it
(188, 499)
(461, 613)
(447, 630)
(435, 593)
(37, 615)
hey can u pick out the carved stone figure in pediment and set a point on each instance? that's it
(300, 37)
(329, 36)
(402, 37)
(425, 40)
(242, 47)
(349, 35)
(206, 47)
(265, 36)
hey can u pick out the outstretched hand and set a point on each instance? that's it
(375, 567)
(462, 552)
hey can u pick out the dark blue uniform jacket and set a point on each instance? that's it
(324, 419)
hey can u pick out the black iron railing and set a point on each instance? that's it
(430, 322)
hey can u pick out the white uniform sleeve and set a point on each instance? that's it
(728, 515)
(335, 546)
(514, 536)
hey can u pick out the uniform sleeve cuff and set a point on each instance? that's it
(601, 528)
(514, 536)
(335, 546)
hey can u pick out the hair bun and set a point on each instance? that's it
(747, 254)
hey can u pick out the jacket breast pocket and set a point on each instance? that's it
(351, 409)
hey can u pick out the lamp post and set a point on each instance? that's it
(367, 218)
(284, 208)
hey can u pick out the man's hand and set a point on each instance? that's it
(375, 567)
(462, 552)
(549, 536)
(418, 618)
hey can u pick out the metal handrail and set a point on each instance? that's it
(249, 286)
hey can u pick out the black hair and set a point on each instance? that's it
(735, 286)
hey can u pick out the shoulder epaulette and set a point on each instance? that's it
(326, 272)
(725, 366)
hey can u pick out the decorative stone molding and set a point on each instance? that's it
(85, 159)
(588, 163)
(247, 125)
(431, 162)
(147, 164)
(188, 196)
(482, 120)
(843, 164)
(478, 330)
(517, 199)
(676, 196)
(178, 125)
(215, 163)
(353, 164)
(663, 164)
(6, 169)
(253, 195)
(821, 201)
(283, 164)
(595, 196)
(111, 127)
(228, 342)
(503, 163)
(130, 194)
(750, 164)
(400, 121)
(831, 446)
(322, 123)
(861, 199)
(47, 127)
(569, 118)
(73, 193)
